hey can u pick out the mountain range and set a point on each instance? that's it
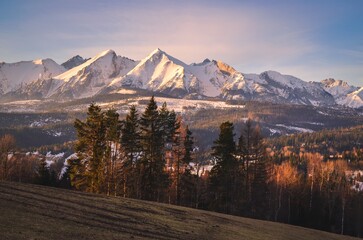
(108, 73)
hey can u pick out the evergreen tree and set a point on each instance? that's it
(77, 174)
(43, 177)
(187, 182)
(223, 175)
(259, 191)
(89, 171)
(113, 128)
(246, 157)
(131, 148)
(188, 146)
(153, 177)
(253, 169)
(7, 144)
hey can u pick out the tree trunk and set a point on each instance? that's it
(125, 185)
(343, 213)
(311, 193)
(197, 188)
(289, 216)
(279, 206)
(178, 181)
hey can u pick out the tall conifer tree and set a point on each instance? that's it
(224, 173)
(131, 148)
(89, 170)
(113, 128)
(152, 162)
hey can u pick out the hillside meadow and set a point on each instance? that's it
(38, 212)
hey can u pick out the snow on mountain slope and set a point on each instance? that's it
(354, 99)
(295, 90)
(74, 62)
(337, 88)
(213, 76)
(86, 79)
(342, 92)
(15, 75)
(157, 72)
(164, 73)
(276, 87)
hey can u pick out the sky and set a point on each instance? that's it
(311, 39)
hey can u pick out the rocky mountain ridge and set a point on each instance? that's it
(160, 72)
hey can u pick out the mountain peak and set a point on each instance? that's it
(159, 54)
(38, 61)
(225, 68)
(44, 61)
(106, 52)
(157, 51)
(205, 61)
(331, 82)
(74, 62)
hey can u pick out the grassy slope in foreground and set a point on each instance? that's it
(38, 212)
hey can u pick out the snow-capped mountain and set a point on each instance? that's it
(84, 80)
(74, 62)
(337, 88)
(157, 72)
(15, 75)
(343, 93)
(160, 72)
(275, 87)
(163, 73)
(354, 99)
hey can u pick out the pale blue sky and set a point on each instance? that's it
(309, 39)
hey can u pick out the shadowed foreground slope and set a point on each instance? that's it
(37, 212)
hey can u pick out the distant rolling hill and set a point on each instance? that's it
(38, 212)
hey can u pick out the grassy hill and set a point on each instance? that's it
(37, 212)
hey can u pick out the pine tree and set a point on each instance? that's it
(43, 177)
(131, 148)
(223, 175)
(188, 146)
(153, 177)
(89, 170)
(246, 158)
(172, 150)
(113, 128)
(7, 144)
(259, 191)
(187, 182)
(175, 161)
(253, 169)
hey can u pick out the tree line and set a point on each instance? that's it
(152, 156)
(144, 156)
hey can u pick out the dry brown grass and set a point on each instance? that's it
(37, 212)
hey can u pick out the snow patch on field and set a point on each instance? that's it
(323, 113)
(274, 131)
(178, 105)
(54, 133)
(44, 122)
(315, 123)
(126, 91)
(298, 129)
